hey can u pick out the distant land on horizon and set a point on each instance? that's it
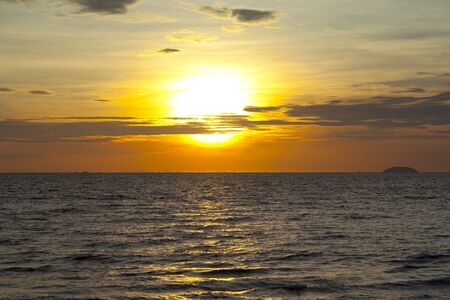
(401, 170)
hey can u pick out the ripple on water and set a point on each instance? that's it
(224, 236)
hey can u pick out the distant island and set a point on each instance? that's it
(400, 170)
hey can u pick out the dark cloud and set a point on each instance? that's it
(101, 100)
(105, 6)
(168, 51)
(88, 118)
(241, 15)
(377, 112)
(5, 90)
(253, 16)
(158, 52)
(40, 92)
(220, 12)
(165, 51)
(108, 7)
(227, 123)
(412, 90)
(32, 131)
(257, 109)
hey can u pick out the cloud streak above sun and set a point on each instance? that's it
(190, 36)
(243, 16)
(158, 52)
(105, 7)
(92, 6)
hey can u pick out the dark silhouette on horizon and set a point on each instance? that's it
(401, 170)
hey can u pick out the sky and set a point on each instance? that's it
(235, 86)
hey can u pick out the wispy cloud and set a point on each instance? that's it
(262, 109)
(139, 17)
(411, 91)
(40, 92)
(191, 36)
(234, 28)
(157, 52)
(6, 90)
(419, 81)
(88, 129)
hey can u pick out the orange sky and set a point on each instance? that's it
(291, 86)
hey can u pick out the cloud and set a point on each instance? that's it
(105, 6)
(139, 17)
(240, 15)
(411, 90)
(219, 12)
(233, 28)
(40, 92)
(164, 51)
(376, 112)
(6, 90)
(190, 36)
(89, 129)
(424, 80)
(403, 34)
(257, 109)
(101, 100)
(17, 1)
(252, 16)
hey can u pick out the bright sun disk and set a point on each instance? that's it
(209, 95)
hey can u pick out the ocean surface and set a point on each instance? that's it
(224, 236)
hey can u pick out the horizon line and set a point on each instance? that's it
(215, 172)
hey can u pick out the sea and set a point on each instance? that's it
(224, 236)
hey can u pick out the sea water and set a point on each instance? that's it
(224, 236)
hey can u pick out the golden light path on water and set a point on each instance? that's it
(206, 217)
(212, 92)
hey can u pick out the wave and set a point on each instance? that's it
(255, 286)
(430, 256)
(235, 272)
(414, 284)
(424, 257)
(90, 258)
(44, 268)
(299, 256)
(406, 268)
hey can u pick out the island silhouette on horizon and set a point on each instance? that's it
(401, 170)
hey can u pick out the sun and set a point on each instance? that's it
(210, 95)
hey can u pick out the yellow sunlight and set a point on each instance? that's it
(212, 93)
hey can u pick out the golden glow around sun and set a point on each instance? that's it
(214, 139)
(210, 94)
